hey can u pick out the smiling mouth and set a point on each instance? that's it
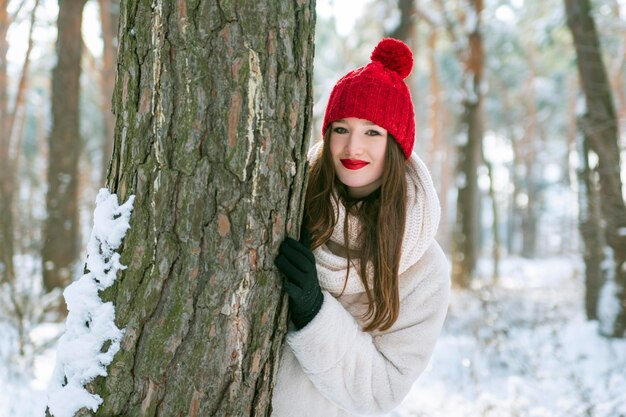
(353, 164)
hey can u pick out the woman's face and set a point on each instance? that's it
(358, 149)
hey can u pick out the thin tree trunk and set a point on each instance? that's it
(468, 200)
(511, 227)
(406, 28)
(469, 155)
(213, 112)
(6, 192)
(21, 87)
(495, 251)
(528, 157)
(406, 31)
(438, 156)
(590, 229)
(109, 19)
(8, 159)
(570, 241)
(599, 127)
(619, 70)
(61, 230)
(4, 76)
(440, 148)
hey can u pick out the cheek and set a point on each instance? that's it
(379, 150)
(336, 144)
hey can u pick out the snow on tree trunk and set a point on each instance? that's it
(213, 112)
(599, 127)
(91, 338)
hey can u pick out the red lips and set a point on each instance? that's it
(353, 164)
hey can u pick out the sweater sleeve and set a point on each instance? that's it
(371, 374)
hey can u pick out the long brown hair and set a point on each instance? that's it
(382, 216)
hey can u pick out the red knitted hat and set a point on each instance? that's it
(377, 92)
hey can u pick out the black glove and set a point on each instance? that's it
(296, 261)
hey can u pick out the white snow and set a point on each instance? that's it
(90, 323)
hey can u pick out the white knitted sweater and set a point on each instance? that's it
(331, 367)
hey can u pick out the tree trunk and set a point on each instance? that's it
(532, 173)
(469, 154)
(599, 127)
(61, 230)
(619, 69)
(213, 111)
(406, 31)
(109, 19)
(590, 229)
(6, 192)
(4, 76)
(468, 199)
(9, 165)
(440, 150)
(495, 249)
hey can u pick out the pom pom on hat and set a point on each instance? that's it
(377, 92)
(394, 55)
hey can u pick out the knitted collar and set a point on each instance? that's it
(422, 220)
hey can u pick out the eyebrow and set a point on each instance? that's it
(367, 122)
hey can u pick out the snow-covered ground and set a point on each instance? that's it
(518, 349)
(522, 349)
(24, 381)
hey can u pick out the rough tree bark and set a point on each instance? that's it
(600, 133)
(213, 110)
(61, 238)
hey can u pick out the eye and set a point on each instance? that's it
(340, 130)
(373, 132)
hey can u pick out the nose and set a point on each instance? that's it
(353, 145)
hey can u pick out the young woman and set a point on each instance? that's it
(368, 285)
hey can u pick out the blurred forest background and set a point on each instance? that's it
(513, 143)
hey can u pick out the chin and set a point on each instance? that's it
(352, 182)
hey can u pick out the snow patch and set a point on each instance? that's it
(90, 323)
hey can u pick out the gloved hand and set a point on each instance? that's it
(296, 261)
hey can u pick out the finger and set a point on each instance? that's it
(299, 247)
(292, 290)
(298, 256)
(293, 273)
(287, 267)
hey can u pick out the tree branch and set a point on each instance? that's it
(21, 90)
